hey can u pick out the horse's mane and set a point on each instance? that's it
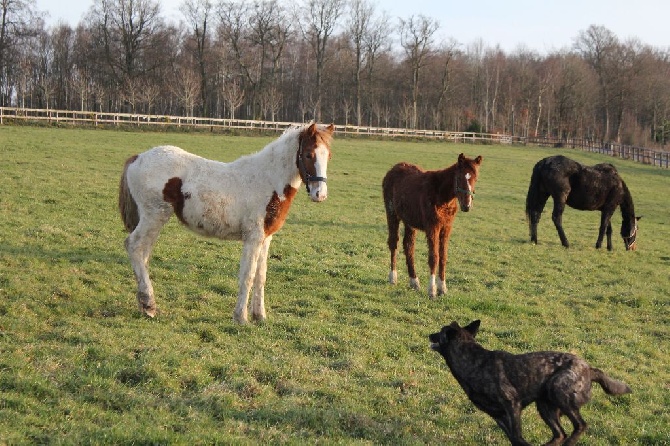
(627, 207)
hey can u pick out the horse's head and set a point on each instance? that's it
(629, 233)
(465, 178)
(312, 159)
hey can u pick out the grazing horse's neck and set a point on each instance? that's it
(627, 208)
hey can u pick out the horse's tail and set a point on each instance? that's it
(127, 204)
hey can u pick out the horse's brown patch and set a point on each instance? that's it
(277, 210)
(172, 194)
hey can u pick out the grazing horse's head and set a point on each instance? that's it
(312, 159)
(629, 233)
(465, 179)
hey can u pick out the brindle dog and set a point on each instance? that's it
(502, 384)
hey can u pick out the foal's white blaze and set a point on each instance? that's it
(468, 197)
(318, 190)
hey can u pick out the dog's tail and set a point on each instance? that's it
(609, 385)
(127, 204)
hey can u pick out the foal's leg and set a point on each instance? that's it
(535, 213)
(433, 238)
(557, 217)
(250, 253)
(393, 223)
(139, 244)
(408, 245)
(444, 246)
(258, 296)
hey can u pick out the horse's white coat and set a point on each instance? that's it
(224, 200)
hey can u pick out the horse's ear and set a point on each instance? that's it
(461, 157)
(638, 218)
(478, 160)
(311, 130)
(330, 129)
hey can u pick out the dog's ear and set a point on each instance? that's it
(473, 327)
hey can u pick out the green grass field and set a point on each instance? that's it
(344, 356)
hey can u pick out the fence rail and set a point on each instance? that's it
(642, 155)
(118, 119)
(638, 154)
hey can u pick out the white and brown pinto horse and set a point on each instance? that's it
(247, 199)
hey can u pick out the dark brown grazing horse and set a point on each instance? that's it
(596, 188)
(426, 200)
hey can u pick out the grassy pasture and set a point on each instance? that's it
(343, 357)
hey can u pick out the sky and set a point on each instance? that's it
(539, 25)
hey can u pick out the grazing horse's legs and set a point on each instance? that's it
(535, 214)
(393, 223)
(605, 227)
(139, 244)
(258, 296)
(251, 251)
(408, 246)
(557, 217)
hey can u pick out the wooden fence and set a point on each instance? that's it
(639, 154)
(13, 114)
(125, 119)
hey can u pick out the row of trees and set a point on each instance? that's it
(344, 61)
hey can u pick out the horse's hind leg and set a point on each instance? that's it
(551, 416)
(258, 296)
(557, 217)
(393, 224)
(535, 214)
(408, 245)
(139, 244)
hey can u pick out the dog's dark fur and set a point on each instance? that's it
(502, 384)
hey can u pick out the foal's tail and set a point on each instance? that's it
(127, 204)
(609, 385)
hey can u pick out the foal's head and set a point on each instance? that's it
(312, 159)
(465, 178)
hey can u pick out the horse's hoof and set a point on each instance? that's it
(150, 312)
(258, 317)
(240, 319)
(414, 283)
(393, 277)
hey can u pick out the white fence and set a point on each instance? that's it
(11, 114)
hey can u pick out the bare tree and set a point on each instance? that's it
(416, 38)
(198, 14)
(18, 20)
(128, 34)
(597, 45)
(318, 21)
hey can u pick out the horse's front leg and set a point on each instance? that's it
(444, 246)
(433, 237)
(605, 229)
(408, 245)
(258, 296)
(250, 253)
